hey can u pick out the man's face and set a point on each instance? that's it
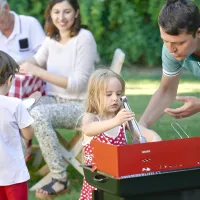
(4, 19)
(180, 46)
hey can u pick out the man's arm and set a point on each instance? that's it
(162, 99)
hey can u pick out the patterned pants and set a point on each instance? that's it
(50, 113)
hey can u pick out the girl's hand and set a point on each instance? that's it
(29, 68)
(122, 116)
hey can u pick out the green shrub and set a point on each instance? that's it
(127, 24)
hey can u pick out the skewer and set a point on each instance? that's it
(173, 124)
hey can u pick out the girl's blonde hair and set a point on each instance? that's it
(95, 102)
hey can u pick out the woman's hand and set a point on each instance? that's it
(122, 116)
(190, 107)
(29, 68)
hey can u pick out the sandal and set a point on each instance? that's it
(51, 192)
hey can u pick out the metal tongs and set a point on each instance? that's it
(133, 123)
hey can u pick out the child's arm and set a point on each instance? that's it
(91, 126)
(27, 133)
(24, 121)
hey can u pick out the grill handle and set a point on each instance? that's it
(100, 178)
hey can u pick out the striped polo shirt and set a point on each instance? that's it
(172, 67)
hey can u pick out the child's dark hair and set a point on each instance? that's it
(7, 67)
(179, 16)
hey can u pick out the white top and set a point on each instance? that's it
(13, 116)
(112, 133)
(26, 38)
(75, 60)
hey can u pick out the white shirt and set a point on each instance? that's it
(75, 60)
(26, 38)
(13, 116)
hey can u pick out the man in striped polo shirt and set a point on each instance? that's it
(179, 23)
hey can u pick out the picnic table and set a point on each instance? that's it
(24, 85)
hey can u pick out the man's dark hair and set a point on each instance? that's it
(179, 16)
(7, 67)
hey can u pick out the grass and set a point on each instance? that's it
(140, 85)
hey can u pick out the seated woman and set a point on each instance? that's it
(65, 61)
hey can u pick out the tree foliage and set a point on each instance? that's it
(127, 24)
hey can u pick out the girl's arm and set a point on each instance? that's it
(27, 133)
(92, 127)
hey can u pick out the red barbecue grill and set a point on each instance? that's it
(155, 171)
(164, 170)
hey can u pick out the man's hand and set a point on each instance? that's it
(190, 107)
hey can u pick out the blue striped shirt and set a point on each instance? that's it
(172, 67)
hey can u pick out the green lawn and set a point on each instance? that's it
(140, 85)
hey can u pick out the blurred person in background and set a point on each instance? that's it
(20, 36)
